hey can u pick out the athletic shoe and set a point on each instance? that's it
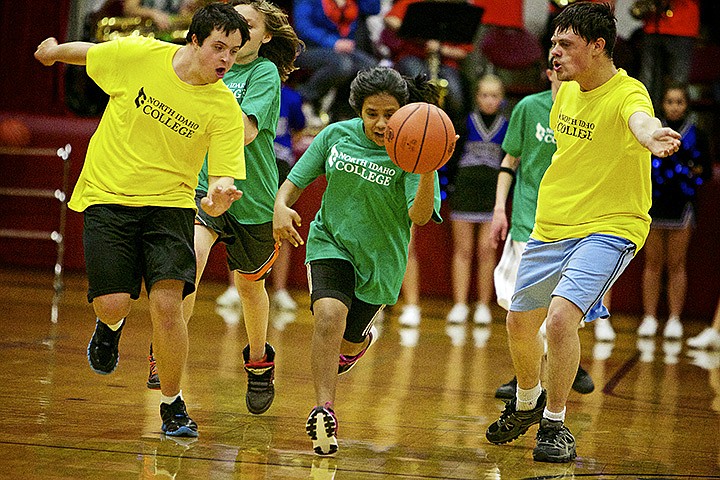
(102, 351)
(321, 427)
(458, 314)
(261, 380)
(176, 421)
(506, 391)
(482, 315)
(604, 331)
(284, 301)
(346, 363)
(708, 338)
(153, 381)
(673, 328)
(648, 326)
(229, 298)
(554, 443)
(410, 316)
(513, 423)
(583, 382)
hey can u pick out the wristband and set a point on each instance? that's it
(509, 171)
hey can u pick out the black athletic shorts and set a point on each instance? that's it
(335, 278)
(124, 245)
(251, 249)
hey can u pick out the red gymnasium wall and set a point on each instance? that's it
(33, 94)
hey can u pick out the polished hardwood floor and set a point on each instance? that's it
(415, 407)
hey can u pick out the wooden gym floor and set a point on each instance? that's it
(415, 407)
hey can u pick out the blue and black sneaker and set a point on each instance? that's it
(176, 421)
(102, 351)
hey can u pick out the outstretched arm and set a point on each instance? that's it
(422, 208)
(661, 141)
(49, 52)
(499, 225)
(284, 217)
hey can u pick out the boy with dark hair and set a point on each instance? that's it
(592, 217)
(137, 186)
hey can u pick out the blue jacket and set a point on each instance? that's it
(317, 30)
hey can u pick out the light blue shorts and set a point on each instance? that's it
(581, 270)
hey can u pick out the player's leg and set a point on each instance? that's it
(170, 275)
(114, 278)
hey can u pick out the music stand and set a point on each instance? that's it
(455, 22)
(444, 21)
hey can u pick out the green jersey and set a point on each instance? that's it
(256, 87)
(529, 137)
(363, 216)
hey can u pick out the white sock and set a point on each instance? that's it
(114, 327)
(556, 417)
(527, 399)
(169, 400)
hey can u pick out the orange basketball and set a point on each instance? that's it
(14, 133)
(420, 138)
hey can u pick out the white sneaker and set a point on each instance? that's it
(410, 316)
(284, 301)
(603, 330)
(705, 359)
(646, 347)
(458, 314)
(602, 350)
(648, 326)
(482, 315)
(673, 328)
(229, 298)
(708, 338)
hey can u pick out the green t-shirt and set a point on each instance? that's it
(363, 216)
(256, 87)
(530, 138)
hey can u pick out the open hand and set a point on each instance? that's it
(219, 199)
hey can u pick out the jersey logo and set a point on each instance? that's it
(544, 134)
(141, 97)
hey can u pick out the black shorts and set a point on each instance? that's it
(335, 278)
(124, 245)
(251, 249)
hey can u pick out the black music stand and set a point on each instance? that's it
(445, 21)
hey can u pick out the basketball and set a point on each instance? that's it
(420, 138)
(14, 133)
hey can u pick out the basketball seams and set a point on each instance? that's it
(399, 131)
(422, 140)
(447, 137)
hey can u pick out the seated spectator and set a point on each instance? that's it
(412, 58)
(331, 56)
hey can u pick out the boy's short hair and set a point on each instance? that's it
(217, 16)
(590, 21)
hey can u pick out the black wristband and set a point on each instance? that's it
(508, 171)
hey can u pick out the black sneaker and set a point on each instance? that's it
(322, 426)
(102, 351)
(513, 423)
(175, 419)
(506, 391)
(261, 378)
(153, 381)
(583, 382)
(555, 443)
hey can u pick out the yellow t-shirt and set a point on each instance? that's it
(155, 132)
(599, 178)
